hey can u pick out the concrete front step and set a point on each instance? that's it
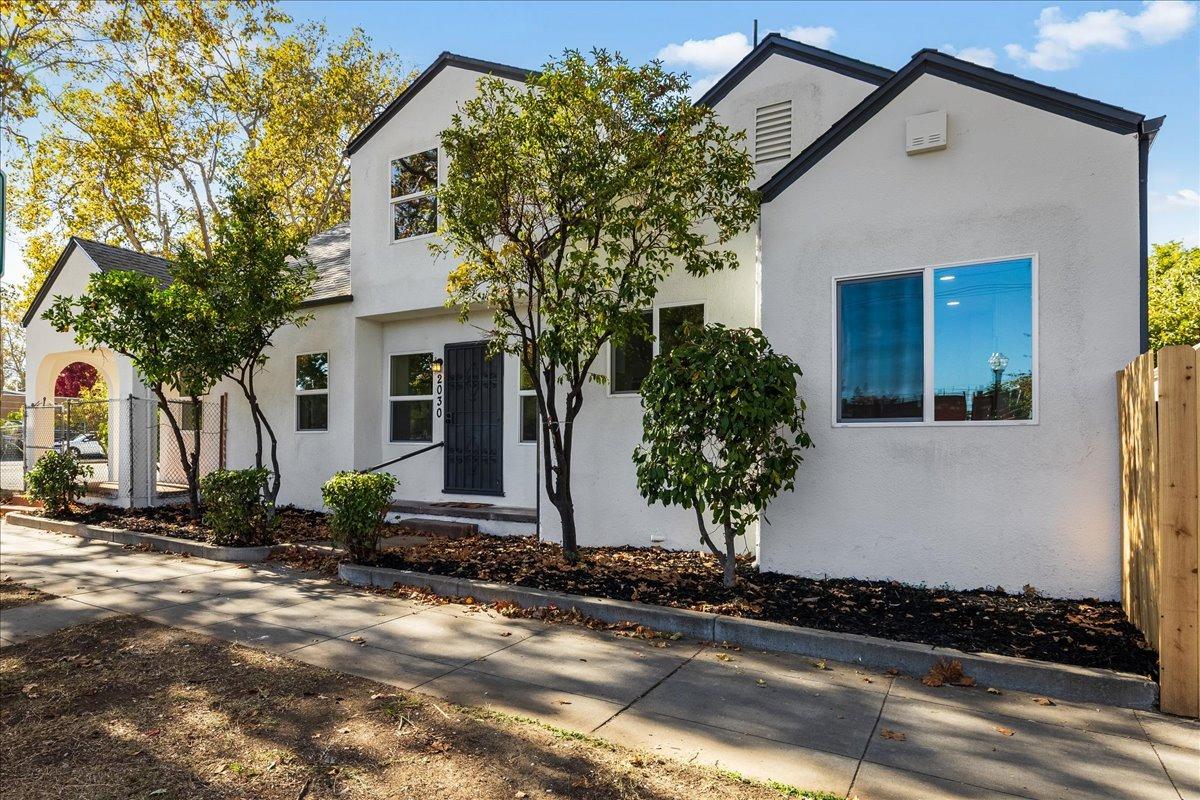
(464, 510)
(445, 529)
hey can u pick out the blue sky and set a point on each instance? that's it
(1143, 56)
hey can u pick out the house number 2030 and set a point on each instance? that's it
(438, 394)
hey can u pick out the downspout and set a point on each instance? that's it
(1147, 130)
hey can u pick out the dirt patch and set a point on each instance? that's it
(293, 524)
(15, 595)
(1087, 633)
(127, 708)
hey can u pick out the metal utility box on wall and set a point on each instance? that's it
(925, 133)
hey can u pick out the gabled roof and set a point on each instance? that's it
(329, 252)
(441, 62)
(778, 44)
(1056, 101)
(106, 257)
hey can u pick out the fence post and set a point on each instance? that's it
(1179, 530)
(223, 428)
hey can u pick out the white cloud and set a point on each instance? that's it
(708, 55)
(818, 36)
(710, 59)
(983, 56)
(1061, 41)
(1188, 198)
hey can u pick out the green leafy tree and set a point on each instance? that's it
(723, 431)
(148, 111)
(1174, 295)
(256, 279)
(171, 335)
(12, 339)
(568, 200)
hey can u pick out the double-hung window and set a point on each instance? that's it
(631, 360)
(528, 407)
(952, 344)
(414, 205)
(411, 397)
(312, 392)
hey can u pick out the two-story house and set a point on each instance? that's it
(954, 256)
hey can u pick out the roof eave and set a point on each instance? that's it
(1092, 112)
(446, 59)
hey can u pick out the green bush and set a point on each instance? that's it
(57, 479)
(359, 502)
(234, 507)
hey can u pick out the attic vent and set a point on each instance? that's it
(925, 132)
(773, 132)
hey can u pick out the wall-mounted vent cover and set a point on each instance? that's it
(773, 132)
(925, 132)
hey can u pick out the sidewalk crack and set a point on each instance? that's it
(862, 757)
(657, 683)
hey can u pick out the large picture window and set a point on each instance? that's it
(312, 392)
(953, 344)
(414, 207)
(411, 397)
(631, 361)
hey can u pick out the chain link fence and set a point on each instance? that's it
(135, 455)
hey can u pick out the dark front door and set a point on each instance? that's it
(474, 420)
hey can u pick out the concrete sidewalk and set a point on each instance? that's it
(813, 725)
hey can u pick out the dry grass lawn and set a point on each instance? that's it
(15, 595)
(125, 708)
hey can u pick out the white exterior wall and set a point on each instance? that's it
(969, 505)
(820, 97)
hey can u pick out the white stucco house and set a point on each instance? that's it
(953, 255)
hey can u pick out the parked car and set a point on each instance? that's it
(85, 445)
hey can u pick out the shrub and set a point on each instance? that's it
(234, 507)
(57, 480)
(722, 431)
(359, 502)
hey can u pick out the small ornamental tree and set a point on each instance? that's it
(722, 432)
(568, 199)
(172, 335)
(256, 280)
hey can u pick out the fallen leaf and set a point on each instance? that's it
(896, 736)
(761, 682)
(724, 657)
(1043, 701)
(951, 672)
(994, 690)
(1003, 731)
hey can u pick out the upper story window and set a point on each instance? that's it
(942, 344)
(414, 207)
(631, 361)
(312, 392)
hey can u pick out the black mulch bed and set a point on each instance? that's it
(293, 525)
(1088, 633)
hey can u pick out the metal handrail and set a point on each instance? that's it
(403, 457)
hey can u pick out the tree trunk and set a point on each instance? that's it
(185, 462)
(730, 557)
(271, 491)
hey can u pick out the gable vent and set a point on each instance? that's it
(925, 132)
(773, 132)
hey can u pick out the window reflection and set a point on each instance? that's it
(880, 349)
(983, 341)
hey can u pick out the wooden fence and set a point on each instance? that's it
(1160, 510)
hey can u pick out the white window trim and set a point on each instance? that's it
(387, 408)
(654, 350)
(521, 394)
(927, 403)
(297, 392)
(392, 201)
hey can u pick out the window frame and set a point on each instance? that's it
(928, 390)
(521, 395)
(655, 326)
(394, 201)
(389, 398)
(297, 392)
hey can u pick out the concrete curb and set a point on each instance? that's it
(1078, 684)
(167, 544)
